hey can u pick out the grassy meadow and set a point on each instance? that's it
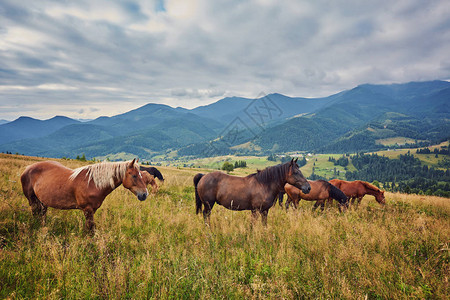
(161, 249)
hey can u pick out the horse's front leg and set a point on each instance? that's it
(359, 201)
(89, 215)
(264, 214)
(254, 217)
(288, 202)
(154, 187)
(320, 203)
(296, 201)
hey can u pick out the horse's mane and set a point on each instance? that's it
(103, 173)
(270, 174)
(370, 186)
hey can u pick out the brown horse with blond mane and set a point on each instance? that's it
(356, 190)
(50, 184)
(256, 192)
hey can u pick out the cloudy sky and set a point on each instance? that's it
(88, 58)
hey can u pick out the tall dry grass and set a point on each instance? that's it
(160, 249)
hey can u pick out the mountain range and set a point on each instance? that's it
(361, 119)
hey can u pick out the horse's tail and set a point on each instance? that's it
(198, 201)
(337, 194)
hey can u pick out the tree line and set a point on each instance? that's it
(405, 174)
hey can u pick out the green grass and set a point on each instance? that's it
(160, 249)
(396, 141)
(325, 168)
(427, 159)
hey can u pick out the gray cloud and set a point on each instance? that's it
(116, 56)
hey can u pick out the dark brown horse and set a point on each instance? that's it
(355, 191)
(50, 184)
(320, 190)
(153, 171)
(150, 179)
(256, 192)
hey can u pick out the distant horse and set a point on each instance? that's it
(50, 184)
(355, 190)
(150, 179)
(320, 190)
(255, 192)
(153, 171)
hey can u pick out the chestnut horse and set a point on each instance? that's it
(355, 190)
(320, 190)
(50, 184)
(150, 179)
(256, 192)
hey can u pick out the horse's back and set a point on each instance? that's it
(152, 171)
(211, 182)
(350, 188)
(338, 182)
(49, 181)
(229, 191)
(319, 191)
(36, 170)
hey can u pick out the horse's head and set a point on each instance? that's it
(296, 178)
(147, 177)
(134, 181)
(380, 197)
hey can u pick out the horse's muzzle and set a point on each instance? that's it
(142, 196)
(306, 189)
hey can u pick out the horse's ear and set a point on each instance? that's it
(131, 165)
(292, 161)
(296, 160)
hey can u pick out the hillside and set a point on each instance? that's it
(364, 118)
(26, 127)
(358, 118)
(141, 132)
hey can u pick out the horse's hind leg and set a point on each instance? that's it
(320, 203)
(207, 212)
(38, 209)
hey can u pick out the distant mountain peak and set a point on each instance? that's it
(22, 118)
